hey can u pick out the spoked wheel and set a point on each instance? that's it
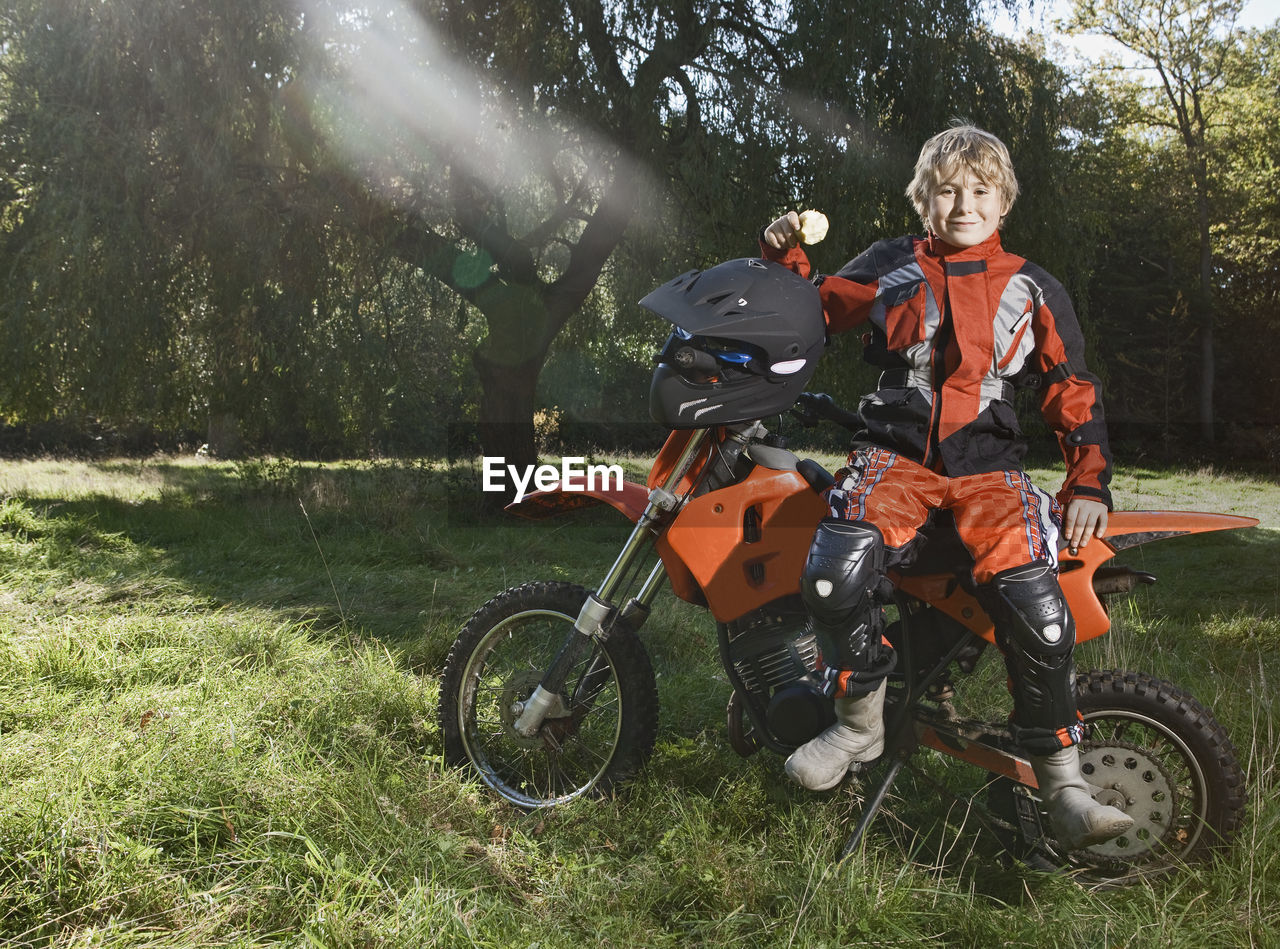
(1157, 754)
(599, 734)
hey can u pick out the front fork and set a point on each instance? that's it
(598, 614)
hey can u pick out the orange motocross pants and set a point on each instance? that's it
(1003, 519)
(1005, 522)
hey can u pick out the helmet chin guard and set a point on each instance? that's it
(747, 337)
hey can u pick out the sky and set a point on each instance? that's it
(1255, 14)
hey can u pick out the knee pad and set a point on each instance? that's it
(844, 570)
(842, 586)
(1033, 612)
(1036, 633)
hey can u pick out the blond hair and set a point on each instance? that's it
(978, 151)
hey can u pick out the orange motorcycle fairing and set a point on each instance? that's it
(746, 544)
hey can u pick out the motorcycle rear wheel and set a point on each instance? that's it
(1160, 756)
(610, 715)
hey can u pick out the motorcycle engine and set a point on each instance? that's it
(772, 655)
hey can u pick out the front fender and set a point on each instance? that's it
(630, 500)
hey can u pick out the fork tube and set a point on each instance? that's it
(661, 500)
(652, 585)
(634, 546)
(630, 618)
(598, 613)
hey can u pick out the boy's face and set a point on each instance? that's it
(964, 210)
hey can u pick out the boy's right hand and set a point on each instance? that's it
(784, 233)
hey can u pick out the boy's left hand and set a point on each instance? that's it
(1085, 518)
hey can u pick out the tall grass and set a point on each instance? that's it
(217, 687)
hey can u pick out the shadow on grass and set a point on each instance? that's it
(404, 553)
(394, 554)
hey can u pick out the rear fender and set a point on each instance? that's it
(1125, 529)
(1129, 528)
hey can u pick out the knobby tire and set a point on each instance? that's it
(611, 721)
(1158, 753)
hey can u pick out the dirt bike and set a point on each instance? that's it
(549, 695)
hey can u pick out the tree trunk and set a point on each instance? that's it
(506, 409)
(1207, 374)
(224, 438)
(1206, 311)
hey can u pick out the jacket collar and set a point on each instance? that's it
(937, 247)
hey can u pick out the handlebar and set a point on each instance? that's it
(686, 357)
(814, 407)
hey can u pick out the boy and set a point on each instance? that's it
(956, 322)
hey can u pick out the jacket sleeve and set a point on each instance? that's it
(1071, 396)
(846, 301)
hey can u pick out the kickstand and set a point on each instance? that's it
(903, 745)
(877, 797)
(902, 740)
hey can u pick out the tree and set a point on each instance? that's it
(512, 179)
(1247, 240)
(509, 177)
(167, 259)
(286, 214)
(1188, 45)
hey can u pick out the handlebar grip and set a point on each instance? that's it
(821, 405)
(686, 357)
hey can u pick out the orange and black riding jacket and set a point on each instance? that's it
(956, 331)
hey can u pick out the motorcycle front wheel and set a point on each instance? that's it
(599, 737)
(1156, 753)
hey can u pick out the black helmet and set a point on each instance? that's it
(748, 336)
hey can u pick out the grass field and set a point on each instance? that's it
(217, 690)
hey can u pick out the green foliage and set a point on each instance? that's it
(1189, 146)
(303, 228)
(169, 259)
(312, 228)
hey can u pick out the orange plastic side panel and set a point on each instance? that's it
(683, 583)
(1092, 619)
(735, 574)
(1077, 585)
